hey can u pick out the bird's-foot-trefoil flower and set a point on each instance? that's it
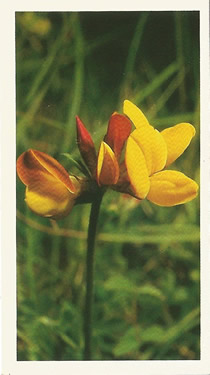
(131, 162)
(50, 191)
(149, 152)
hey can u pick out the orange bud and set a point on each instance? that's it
(118, 131)
(107, 167)
(86, 146)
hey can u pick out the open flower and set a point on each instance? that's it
(148, 152)
(50, 191)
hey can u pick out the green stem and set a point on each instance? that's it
(94, 214)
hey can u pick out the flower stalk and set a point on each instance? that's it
(88, 310)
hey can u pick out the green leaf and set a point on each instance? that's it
(153, 334)
(128, 343)
(180, 295)
(152, 291)
(195, 275)
(120, 283)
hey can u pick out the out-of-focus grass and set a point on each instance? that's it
(147, 258)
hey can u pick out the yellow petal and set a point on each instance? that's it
(137, 168)
(169, 188)
(107, 166)
(153, 147)
(49, 197)
(135, 114)
(177, 139)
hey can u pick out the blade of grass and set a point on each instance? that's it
(162, 100)
(31, 238)
(46, 121)
(180, 59)
(134, 47)
(76, 95)
(27, 119)
(173, 119)
(157, 82)
(148, 234)
(189, 321)
(46, 66)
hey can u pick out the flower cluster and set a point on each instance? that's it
(131, 162)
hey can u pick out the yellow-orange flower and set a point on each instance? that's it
(148, 152)
(50, 191)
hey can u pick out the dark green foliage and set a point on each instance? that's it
(147, 257)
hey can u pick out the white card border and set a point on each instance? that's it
(8, 196)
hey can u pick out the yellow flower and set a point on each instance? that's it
(148, 152)
(50, 191)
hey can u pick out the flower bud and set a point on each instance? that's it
(86, 146)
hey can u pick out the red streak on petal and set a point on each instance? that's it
(32, 163)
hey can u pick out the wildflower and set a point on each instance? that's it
(148, 152)
(50, 191)
(140, 171)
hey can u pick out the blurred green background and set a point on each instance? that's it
(147, 257)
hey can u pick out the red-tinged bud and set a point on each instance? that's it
(86, 146)
(118, 131)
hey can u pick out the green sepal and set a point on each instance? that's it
(78, 164)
